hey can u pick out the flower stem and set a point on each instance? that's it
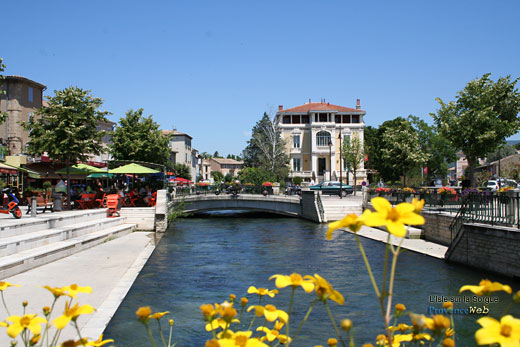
(385, 266)
(372, 279)
(170, 337)
(5, 305)
(391, 288)
(149, 332)
(334, 324)
(290, 314)
(305, 318)
(161, 333)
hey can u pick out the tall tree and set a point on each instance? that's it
(266, 149)
(501, 152)
(353, 154)
(139, 138)
(67, 128)
(400, 148)
(182, 170)
(483, 115)
(440, 151)
(3, 115)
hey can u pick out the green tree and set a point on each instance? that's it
(440, 151)
(216, 155)
(182, 170)
(400, 148)
(205, 155)
(67, 128)
(3, 115)
(266, 149)
(217, 176)
(255, 176)
(483, 115)
(372, 148)
(353, 154)
(138, 138)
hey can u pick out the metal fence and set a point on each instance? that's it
(224, 189)
(479, 207)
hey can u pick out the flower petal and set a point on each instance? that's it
(396, 228)
(381, 204)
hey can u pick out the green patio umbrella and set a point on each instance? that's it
(80, 169)
(101, 175)
(133, 168)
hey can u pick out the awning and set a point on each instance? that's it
(8, 169)
(133, 169)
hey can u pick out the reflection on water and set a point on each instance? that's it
(204, 259)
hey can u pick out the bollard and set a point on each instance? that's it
(33, 206)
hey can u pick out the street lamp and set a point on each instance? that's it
(340, 166)
(330, 160)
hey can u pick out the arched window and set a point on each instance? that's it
(322, 139)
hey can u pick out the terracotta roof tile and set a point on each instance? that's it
(320, 106)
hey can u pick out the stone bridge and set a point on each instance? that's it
(284, 205)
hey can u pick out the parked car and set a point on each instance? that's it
(332, 188)
(494, 185)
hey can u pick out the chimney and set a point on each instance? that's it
(280, 107)
(358, 104)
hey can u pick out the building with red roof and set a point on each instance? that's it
(313, 133)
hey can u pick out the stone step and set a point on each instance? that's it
(14, 244)
(46, 221)
(29, 259)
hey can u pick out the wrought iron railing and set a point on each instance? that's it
(479, 207)
(224, 189)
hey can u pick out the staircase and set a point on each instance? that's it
(336, 208)
(30, 242)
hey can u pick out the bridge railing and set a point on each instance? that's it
(223, 189)
(481, 207)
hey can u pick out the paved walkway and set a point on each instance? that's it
(416, 245)
(109, 268)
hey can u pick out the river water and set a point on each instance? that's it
(204, 259)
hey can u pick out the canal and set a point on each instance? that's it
(203, 259)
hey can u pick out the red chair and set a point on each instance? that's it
(113, 205)
(152, 200)
(102, 202)
(86, 201)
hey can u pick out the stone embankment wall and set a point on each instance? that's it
(437, 227)
(309, 206)
(487, 247)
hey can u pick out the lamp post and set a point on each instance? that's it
(340, 166)
(330, 160)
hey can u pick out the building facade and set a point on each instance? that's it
(21, 97)
(226, 166)
(182, 151)
(313, 133)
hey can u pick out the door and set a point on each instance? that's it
(322, 166)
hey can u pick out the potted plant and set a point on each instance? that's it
(268, 188)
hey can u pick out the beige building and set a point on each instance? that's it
(205, 170)
(226, 166)
(313, 133)
(182, 151)
(21, 98)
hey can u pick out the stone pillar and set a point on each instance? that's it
(161, 211)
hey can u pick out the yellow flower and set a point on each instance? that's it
(324, 289)
(212, 343)
(506, 332)
(351, 221)
(5, 285)
(74, 289)
(216, 323)
(273, 334)
(143, 313)
(346, 324)
(437, 322)
(400, 308)
(332, 342)
(57, 292)
(243, 301)
(99, 342)
(208, 311)
(159, 315)
(417, 205)
(401, 327)
(448, 343)
(72, 343)
(485, 287)
(394, 218)
(241, 339)
(448, 305)
(269, 312)
(262, 291)
(27, 321)
(294, 280)
(71, 313)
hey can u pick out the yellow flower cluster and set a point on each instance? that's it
(28, 327)
(393, 218)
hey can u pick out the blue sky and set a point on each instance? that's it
(212, 68)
